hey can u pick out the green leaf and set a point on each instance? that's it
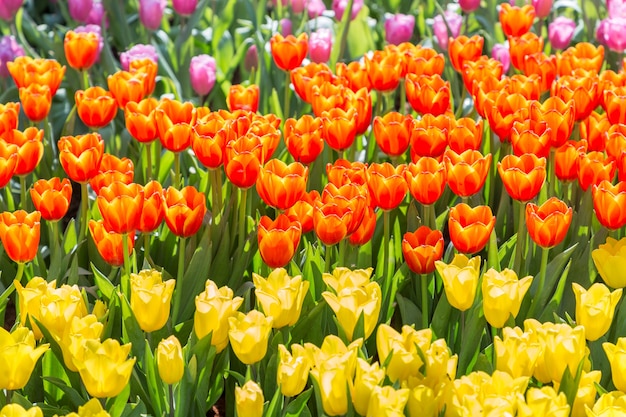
(102, 282)
(75, 398)
(115, 406)
(410, 314)
(155, 388)
(130, 329)
(275, 405)
(297, 406)
(569, 383)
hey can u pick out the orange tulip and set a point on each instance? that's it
(95, 106)
(9, 116)
(366, 229)
(302, 210)
(303, 138)
(120, 206)
(515, 20)
(384, 69)
(30, 148)
(330, 222)
(36, 101)
(583, 55)
(584, 91)
(242, 161)
(424, 61)
(467, 172)
(8, 162)
(81, 49)
(428, 93)
(26, 71)
(354, 74)
(426, 179)
(463, 49)
(465, 134)
(615, 142)
(80, 156)
(339, 128)
(592, 129)
(558, 115)
(542, 65)
(621, 167)
(146, 69)
(429, 136)
(486, 91)
(593, 168)
(522, 46)
(327, 96)
(479, 70)
(393, 132)
(19, 232)
(506, 109)
(112, 169)
(268, 135)
(126, 87)
(531, 137)
(52, 197)
(361, 101)
(609, 203)
(349, 197)
(547, 224)
(522, 176)
(614, 105)
(528, 87)
(386, 184)
(139, 119)
(243, 98)
(174, 121)
(611, 80)
(153, 207)
(208, 149)
(278, 240)
(470, 227)
(566, 159)
(304, 78)
(422, 248)
(184, 210)
(110, 245)
(280, 185)
(343, 172)
(289, 52)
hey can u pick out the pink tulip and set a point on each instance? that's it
(469, 6)
(96, 14)
(139, 51)
(298, 6)
(286, 27)
(9, 50)
(339, 7)
(500, 51)
(315, 8)
(542, 8)
(185, 7)
(202, 74)
(616, 8)
(614, 33)
(441, 30)
(79, 9)
(252, 58)
(561, 32)
(151, 13)
(9, 8)
(399, 28)
(320, 44)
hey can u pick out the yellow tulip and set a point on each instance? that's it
(248, 335)
(18, 357)
(617, 358)
(59, 306)
(30, 300)
(387, 402)
(405, 360)
(612, 404)
(74, 336)
(99, 309)
(105, 368)
(150, 299)
(610, 261)
(280, 296)
(332, 381)
(293, 370)
(544, 401)
(366, 378)
(502, 295)
(249, 400)
(460, 280)
(595, 308)
(344, 277)
(563, 347)
(169, 358)
(586, 393)
(351, 302)
(213, 308)
(91, 408)
(515, 353)
(440, 365)
(422, 402)
(333, 347)
(16, 410)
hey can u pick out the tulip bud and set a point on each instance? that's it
(286, 27)
(10, 410)
(9, 8)
(298, 6)
(79, 9)
(399, 28)
(500, 51)
(151, 13)
(613, 32)
(281, 296)
(560, 32)
(202, 74)
(248, 335)
(213, 308)
(610, 261)
(320, 44)
(352, 302)
(460, 279)
(249, 400)
(18, 357)
(595, 308)
(339, 7)
(96, 14)
(502, 295)
(542, 8)
(184, 7)
(367, 377)
(315, 8)
(440, 29)
(150, 299)
(9, 50)
(616, 353)
(169, 358)
(293, 370)
(469, 6)
(252, 58)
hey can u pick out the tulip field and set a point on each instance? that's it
(291, 208)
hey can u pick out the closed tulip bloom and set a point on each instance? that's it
(243, 98)
(460, 280)
(249, 335)
(384, 69)
(278, 240)
(449, 19)
(18, 357)
(138, 53)
(112, 169)
(609, 204)
(30, 148)
(426, 179)
(105, 368)
(242, 161)
(120, 206)
(339, 128)
(80, 156)
(593, 129)
(595, 308)
(516, 20)
(81, 49)
(350, 303)
(466, 173)
(320, 45)
(303, 138)
(36, 101)
(184, 7)
(184, 210)
(11, 410)
(610, 261)
(608, 405)
(399, 28)
(529, 137)
(146, 69)
(202, 74)
(366, 229)
(331, 222)
(153, 210)
(151, 13)
(213, 308)
(387, 401)
(59, 306)
(302, 211)
(399, 351)
(150, 299)
(428, 94)
(522, 176)
(52, 197)
(139, 119)
(289, 52)
(393, 132)
(593, 168)
(126, 87)
(293, 370)
(560, 32)
(19, 232)
(9, 8)
(470, 228)
(91, 408)
(26, 71)
(249, 400)
(367, 377)
(465, 134)
(544, 401)
(332, 381)
(281, 296)
(386, 184)
(462, 49)
(9, 116)
(422, 248)
(74, 335)
(584, 91)
(169, 359)
(280, 185)
(95, 106)
(566, 159)
(502, 295)
(174, 122)
(548, 224)
(8, 162)
(110, 245)
(516, 353)
(616, 353)
(29, 299)
(342, 277)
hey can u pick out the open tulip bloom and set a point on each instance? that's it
(309, 208)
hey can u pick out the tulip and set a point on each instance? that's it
(516, 354)
(441, 23)
(392, 132)
(302, 210)
(151, 13)
(608, 201)
(81, 49)
(105, 368)
(609, 404)
(593, 168)
(460, 280)
(139, 52)
(355, 74)
(350, 303)
(174, 121)
(58, 307)
(386, 184)
(466, 173)
(112, 169)
(332, 381)
(340, 6)
(387, 401)
(79, 9)
(95, 106)
(366, 229)
(502, 295)
(470, 228)
(303, 138)
(320, 45)
(150, 299)
(342, 278)
(293, 370)
(560, 32)
(26, 71)
(9, 50)
(613, 29)
(184, 7)
(202, 74)
(615, 353)
(29, 301)
(18, 357)
(9, 8)
(280, 185)
(339, 128)
(249, 335)
(289, 52)
(610, 261)
(426, 179)
(139, 119)
(584, 91)
(469, 6)
(428, 94)
(74, 335)
(500, 51)
(403, 348)
(153, 210)
(213, 308)
(593, 130)
(184, 210)
(249, 400)
(522, 176)
(19, 232)
(544, 401)
(126, 87)
(109, 244)
(30, 148)
(398, 29)
(515, 20)
(91, 408)
(315, 8)
(120, 206)
(243, 98)
(367, 377)
(595, 308)
(542, 8)
(529, 139)
(421, 402)
(422, 248)
(280, 296)
(8, 162)
(384, 70)
(548, 224)
(169, 358)
(463, 49)
(36, 101)
(429, 137)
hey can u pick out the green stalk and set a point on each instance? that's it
(23, 201)
(148, 161)
(176, 169)
(84, 210)
(158, 160)
(494, 333)
(126, 275)
(20, 271)
(85, 79)
(542, 280)
(521, 239)
(552, 173)
(146, 249)
(171, 392)
(54, 237)
(386, 279)
(327, 258)
(287, 97)
(216, 193)
(242, 219)
(180, 274)
(342, 253)
(425, 308)
(9, 195)
(402, 93)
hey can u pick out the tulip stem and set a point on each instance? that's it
(552, 173)
(402, 93)
(521, 239)
(342, 253)
(126, 275)
(54, 238)
(176, 170)
(180, 274)
(287, 98)
(84, 210)
(242, 219)
(146, 249)
(85, 79)
(23, 202)
(20, 271)
(216, 190)
(171, 392)
(542, 279)
(148, 161)
(327, 258)
(425, 309)
(9, 195)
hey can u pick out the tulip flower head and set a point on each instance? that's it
(184, 210)
(17, 410)
(248, 335)
(249, 400)
(9, 8)
(202, 73)
(405, 361)
(293, 369)
(213, 308)
(422, 249)
(399, 28)
(502, 295)
(595, 308)
(151, 13)
(561, 31)
(150, 299)
(320, 45)
(516, 353)
(184, 7)
(82, 49)
(441, 23)
(340, 6)
(19, 232)
(9, 50)
(281, 296)
(138, 53)
(289, 52)
(470, 228)
(18, 357)
(169, 358)
(460, 280)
